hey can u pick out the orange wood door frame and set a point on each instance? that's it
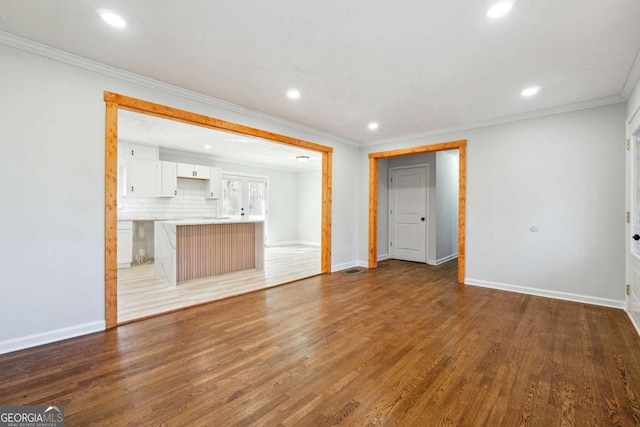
(114, 102)
(373, 195)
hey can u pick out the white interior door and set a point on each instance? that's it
(407, 213)
(633, 230)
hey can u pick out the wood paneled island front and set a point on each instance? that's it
(190, 249)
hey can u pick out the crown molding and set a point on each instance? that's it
(600, 102)
(632, 78)
(43, 50)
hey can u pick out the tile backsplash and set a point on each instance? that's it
(189, 203)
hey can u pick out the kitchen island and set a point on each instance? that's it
(190, 249)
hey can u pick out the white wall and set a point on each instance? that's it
(447, 171)
(562, 173)
(383, 211)
(52, 124)
(309, 207)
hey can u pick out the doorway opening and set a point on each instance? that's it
(114, 102)
(373, 195)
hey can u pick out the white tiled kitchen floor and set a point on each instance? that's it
(141, 294)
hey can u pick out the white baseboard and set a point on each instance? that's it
(306, 243)
(634, 302)
(442, 260)
(605, 302)
(365, 263)
(293, 242)
(344, 266)
(34, 340)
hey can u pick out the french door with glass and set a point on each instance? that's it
(244, 197)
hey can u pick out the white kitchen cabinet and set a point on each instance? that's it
(167, 179)
(186, 170)
(214, 185)
(139, 151)
(141, 171)
(141, 178)
(125, 244)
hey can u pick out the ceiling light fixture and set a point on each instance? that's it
(112, 19)
(499, 9)
(373, 126)
(293, 93)
(302, 159)
(207, 146)
(530, 91)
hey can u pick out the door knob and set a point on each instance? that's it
(636, 237)
(422, 219)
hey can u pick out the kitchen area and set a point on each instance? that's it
(198, 223)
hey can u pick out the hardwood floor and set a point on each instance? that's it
(141, 294)
(402, 345)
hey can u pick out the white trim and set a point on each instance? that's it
(605, 302)
(601, 102)
(344, 266)
(52, 336)
(635, 322)
(632, 77)
(307, 243)
(26, 45)
(381, 258)
(442, 260)
(634, 302)
(632, 117)
(294, 242)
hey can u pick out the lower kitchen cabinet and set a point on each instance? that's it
(125, 244)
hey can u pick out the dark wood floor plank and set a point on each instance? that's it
(402, 345)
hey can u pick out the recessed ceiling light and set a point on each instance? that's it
(373, 126)
(530, 91)
(207, 146)
(293, 93)
(112, 19)
(499, 9)
(302, 159)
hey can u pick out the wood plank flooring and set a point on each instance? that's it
(141, 294)
(402, 345)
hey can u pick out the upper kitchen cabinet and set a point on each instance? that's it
(141, 171)
(186, 170)
(167, 179)
(214, 186)
(138, 151)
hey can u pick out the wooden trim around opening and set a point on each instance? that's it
(111, 217)
(116, 101)
(325, 244)
(462, 183)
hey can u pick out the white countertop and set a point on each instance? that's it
(196, 221)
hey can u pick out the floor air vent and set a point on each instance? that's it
(353, 271)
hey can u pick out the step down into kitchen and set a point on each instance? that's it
(353, 271)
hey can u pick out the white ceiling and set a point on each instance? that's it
(415, 66)
(224, 146)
